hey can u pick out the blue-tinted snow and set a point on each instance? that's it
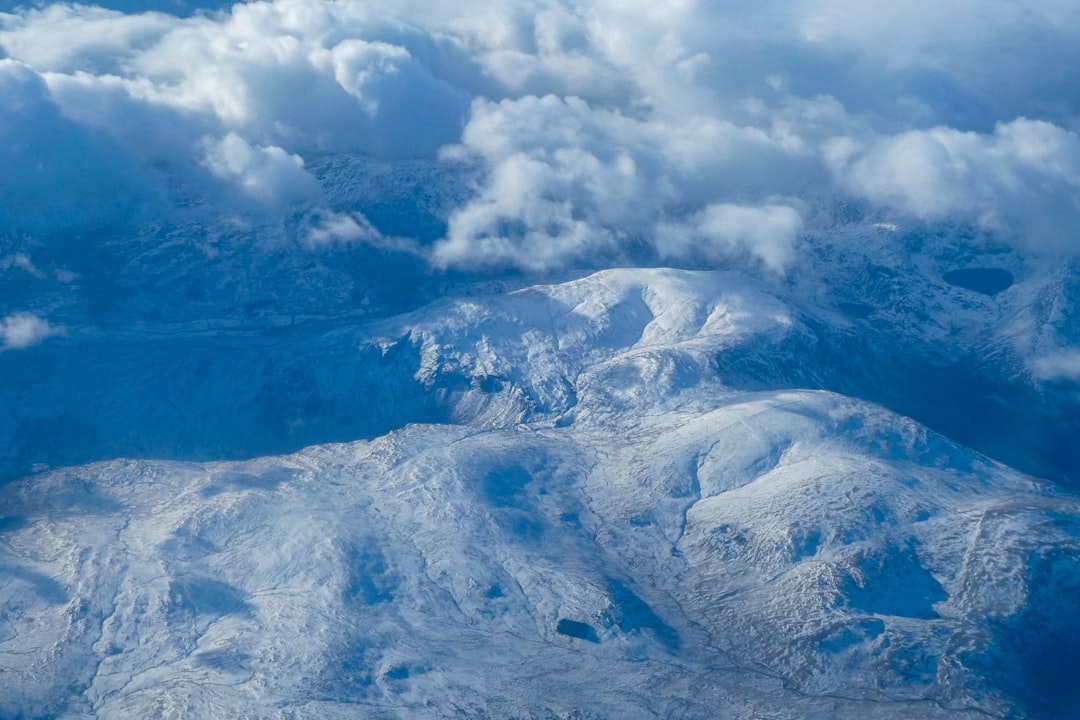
(567, 481)
(608, 505)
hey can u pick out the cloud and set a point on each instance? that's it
(559, 184)
(566, 182)
(23, 262)
(56, 172)
(767, 232)
(1022, 179)
(267, 173)
(141, 104)
(343, 228)
(588, 133)
(304, 75)
(965, 64)
(1062, 364)
(22, 330)
(331, 229)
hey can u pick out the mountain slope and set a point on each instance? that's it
(595, 524)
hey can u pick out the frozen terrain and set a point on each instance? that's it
(582, 518)
(550, 359)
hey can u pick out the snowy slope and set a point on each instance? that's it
(205, 342)
(573, 512)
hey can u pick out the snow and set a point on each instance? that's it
(782, 553)
(312, 405)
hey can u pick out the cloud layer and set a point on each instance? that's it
(588, 133)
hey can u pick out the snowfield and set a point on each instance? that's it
(571, 507)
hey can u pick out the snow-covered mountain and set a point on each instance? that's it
(539, 359)
(189, 342)
(570, 505)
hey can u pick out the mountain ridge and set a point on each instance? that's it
(590, 469)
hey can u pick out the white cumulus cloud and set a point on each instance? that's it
(589, 132)
(767, 232)
(565, 181)
(268, 173)
(1023, 178)
(22, 330)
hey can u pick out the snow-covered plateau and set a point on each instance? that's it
(589, 499)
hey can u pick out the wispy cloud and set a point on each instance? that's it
(1062, 364)
(23, 262)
